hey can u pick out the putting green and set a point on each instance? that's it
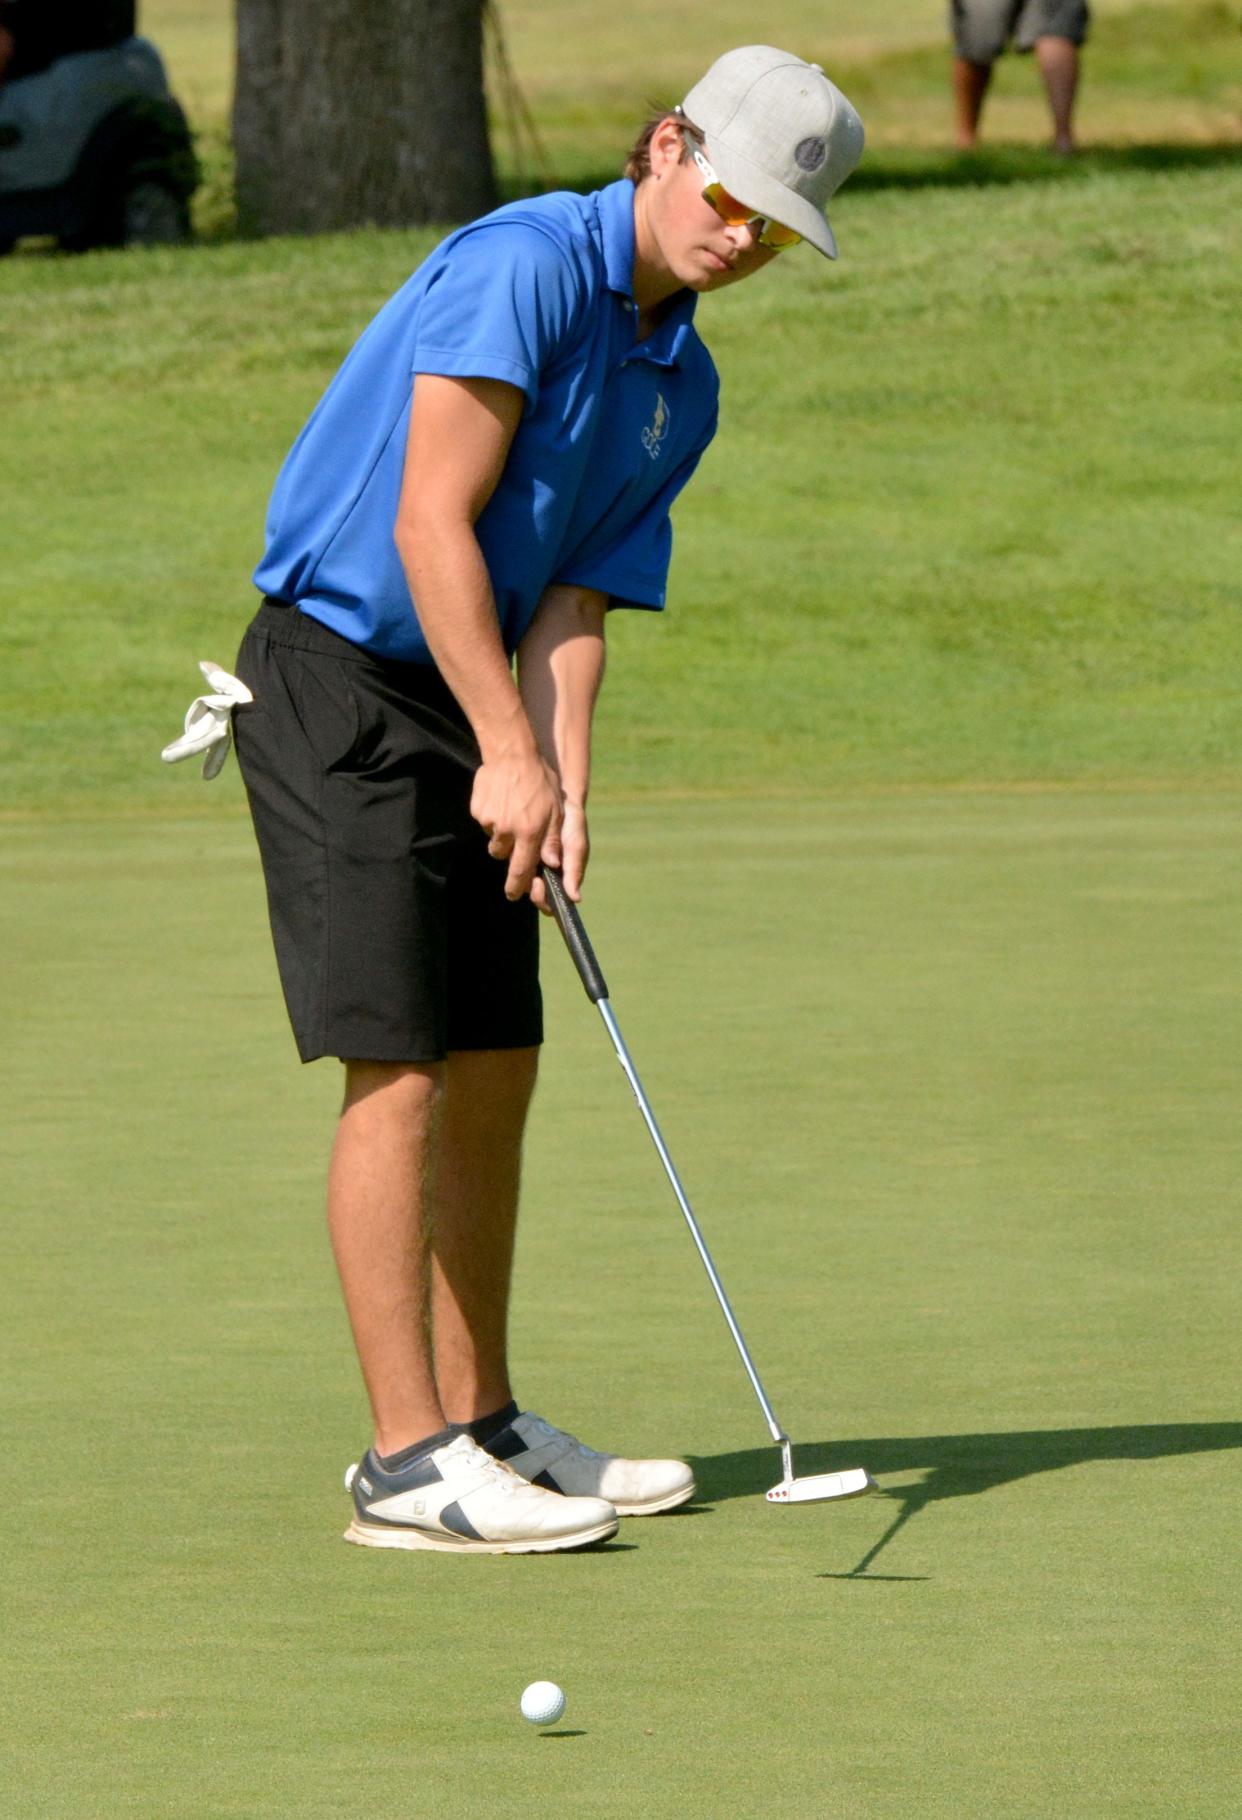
(952, 1080)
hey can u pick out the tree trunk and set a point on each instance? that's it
(359, 112)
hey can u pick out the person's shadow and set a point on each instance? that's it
(956, 1466)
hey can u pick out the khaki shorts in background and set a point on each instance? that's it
(982, 28)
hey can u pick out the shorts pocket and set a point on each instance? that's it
(323, 699)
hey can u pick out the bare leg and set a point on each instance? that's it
(1058, 65)
(487, 1093)
(970, 85)
(377, 1217)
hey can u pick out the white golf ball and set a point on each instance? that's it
(543, 1703)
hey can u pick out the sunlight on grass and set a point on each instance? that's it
(1152, 71)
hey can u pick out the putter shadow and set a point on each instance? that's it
(962, 1465)
(905, 1512)
(566, 1733)
(958, 1466)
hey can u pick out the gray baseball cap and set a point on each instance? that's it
(781, 137)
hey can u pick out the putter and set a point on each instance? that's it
(855, 1481)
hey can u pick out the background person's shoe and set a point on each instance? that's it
(458, 1498)
(549, 1457)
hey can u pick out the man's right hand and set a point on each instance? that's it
(517, 799)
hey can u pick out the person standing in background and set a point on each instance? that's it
(1054, 29)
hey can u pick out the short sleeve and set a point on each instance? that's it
(632, 565)
(503, 305)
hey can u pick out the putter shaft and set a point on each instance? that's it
(850, 1484)
(644, 1106)
(592, 977)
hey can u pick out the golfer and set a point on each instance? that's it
(488, 474)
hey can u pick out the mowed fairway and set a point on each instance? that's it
(953, 1080)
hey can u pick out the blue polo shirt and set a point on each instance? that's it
(538, 294)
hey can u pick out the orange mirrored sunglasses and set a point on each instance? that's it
(734, 214)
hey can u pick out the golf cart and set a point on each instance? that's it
(94, 149)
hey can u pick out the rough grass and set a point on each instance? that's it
(971, 513)
(1155, 75)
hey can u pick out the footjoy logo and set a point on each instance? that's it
(657, 430)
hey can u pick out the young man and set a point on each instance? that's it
(1054, 29)
(490, 471)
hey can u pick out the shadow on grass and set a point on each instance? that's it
(1005, 164)
(896, 168)
(958, 1466)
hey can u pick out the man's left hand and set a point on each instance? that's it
(575, 852)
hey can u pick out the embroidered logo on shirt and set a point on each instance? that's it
(657, 429)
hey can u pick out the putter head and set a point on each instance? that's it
(854, 1482)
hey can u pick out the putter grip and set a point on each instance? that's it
(570, 924)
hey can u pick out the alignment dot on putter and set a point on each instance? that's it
(855, 1482)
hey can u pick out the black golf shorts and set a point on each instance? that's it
(394, 938)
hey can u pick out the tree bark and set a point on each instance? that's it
(359, 112)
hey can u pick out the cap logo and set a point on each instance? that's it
(809, 154)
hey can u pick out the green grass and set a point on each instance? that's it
(1153, 72)
(916, 882)
(1156, 75)
(970, 515)
(953, 1082)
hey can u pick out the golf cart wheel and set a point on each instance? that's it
(153, 215)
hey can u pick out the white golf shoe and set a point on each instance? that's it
(551, 1458)
(458, 1498)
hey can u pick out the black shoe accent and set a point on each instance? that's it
(485, 1428)
(372, 1482)
(454, 1517)
(397, 1462)
(506, 1445)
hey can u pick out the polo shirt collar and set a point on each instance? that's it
(666, 345)
(616, 220)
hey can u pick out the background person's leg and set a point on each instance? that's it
(486, 1096)
(970, 85)
(1058, 65)
(378, 1217)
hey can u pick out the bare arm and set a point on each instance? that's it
(560, 668)
(459, 437)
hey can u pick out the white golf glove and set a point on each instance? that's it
(209, 721)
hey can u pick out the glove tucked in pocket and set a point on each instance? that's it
(209, 722)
